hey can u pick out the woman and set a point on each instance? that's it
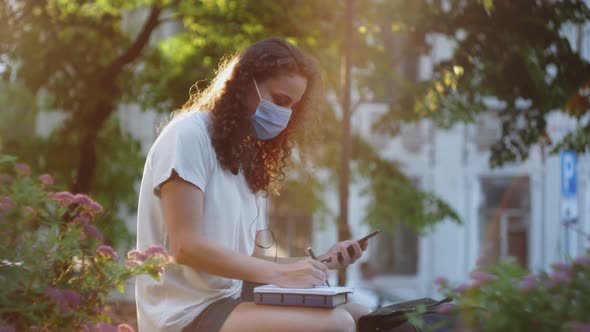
(198, 200)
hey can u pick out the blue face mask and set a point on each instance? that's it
(270, 119)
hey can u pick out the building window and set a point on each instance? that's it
(505, 219)
(395, 253)
(292, 227)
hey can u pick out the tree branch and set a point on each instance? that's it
(135, 49)
(171, 18)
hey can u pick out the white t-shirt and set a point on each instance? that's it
(229, 219)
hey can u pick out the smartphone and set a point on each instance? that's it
(365, 238)
(350, 248)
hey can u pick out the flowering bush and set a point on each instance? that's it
(506, 297)
(55, 270)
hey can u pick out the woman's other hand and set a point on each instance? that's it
(305, 273)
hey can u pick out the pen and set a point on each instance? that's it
(315, 258)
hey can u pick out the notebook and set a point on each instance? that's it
(320, 296)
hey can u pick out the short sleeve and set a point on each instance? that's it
(184, 146)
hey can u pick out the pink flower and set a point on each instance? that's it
(58, 298)
(30, 211)
(462, 288)
(81, 199)
(72, 298)
(481, 278)
(105, 327)
(136, 255)
(155, 251)
(527, 283)
(445, 308)
(6, 179)
(559, 266)
(63, 198)
(102, 310)
(158, 252)
(132, 263)
(107, 252)
(46, 179)
(579, 326)
(93, 232)
(135, 258)
(7, 328)
(6, 203)
(558, 278)
(582, 261)
(124, 328)
(94, 206)
(54, 294)
(82, 220)
(22, 169)
(88, 215)
(88, 203)
(441, 281)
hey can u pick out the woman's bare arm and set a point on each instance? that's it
(183, 210)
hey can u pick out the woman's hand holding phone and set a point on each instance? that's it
(346, 252)
(340, 249)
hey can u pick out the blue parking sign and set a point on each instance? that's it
(568, 173)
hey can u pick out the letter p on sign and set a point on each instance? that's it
(568, 174)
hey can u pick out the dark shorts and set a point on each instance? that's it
(212, 318)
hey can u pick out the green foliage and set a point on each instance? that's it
(301, 194)
(17, 112)
(60, 49)
(79, 71)
(505, 298)
(118, 167)
(72, 51)
(578, 140)
(395, 197)
(211, 30)
(529, 65)
(118, 170)
(55, 272)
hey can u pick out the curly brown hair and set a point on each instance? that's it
(262, 161)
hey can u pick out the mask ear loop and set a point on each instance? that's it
(257, 89)
(272, 234)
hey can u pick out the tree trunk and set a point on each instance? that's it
(343, 227)
(91, 128)
(107, 86)
(86, 164)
